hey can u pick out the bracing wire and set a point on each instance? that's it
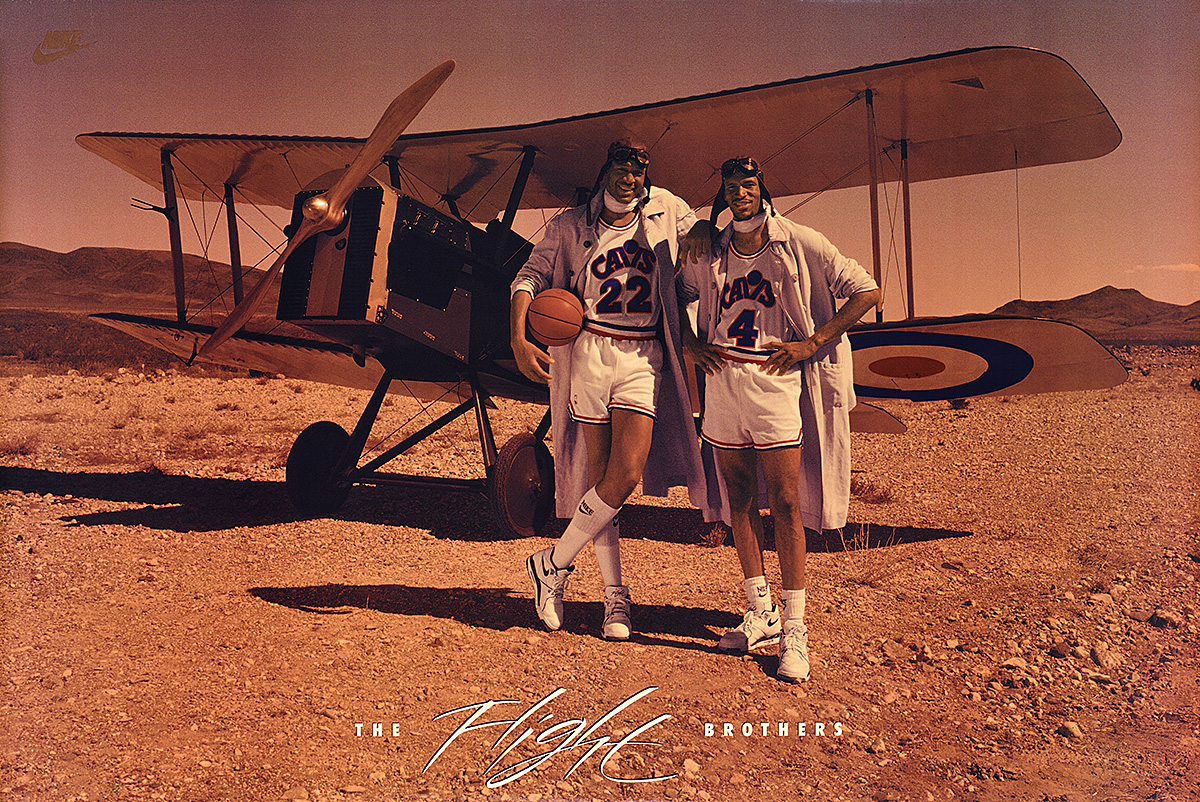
(206, 240)
(423, 409)
(1017, 192)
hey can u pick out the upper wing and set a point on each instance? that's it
(962, 113)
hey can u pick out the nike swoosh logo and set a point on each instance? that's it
(40, 57)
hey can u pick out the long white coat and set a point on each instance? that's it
(819, 273)
(560, 260)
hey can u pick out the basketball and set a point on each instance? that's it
(555, 317)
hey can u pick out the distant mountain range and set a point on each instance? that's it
(90, 280)
(1118, 316)
(141, 282)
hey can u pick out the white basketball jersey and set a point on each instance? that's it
(620, 290)
(749, 313)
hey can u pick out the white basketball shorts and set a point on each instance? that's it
(744, 407)
(608, 374)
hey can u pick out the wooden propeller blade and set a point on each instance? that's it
(245, 310)
(389, 128)
(328, 209)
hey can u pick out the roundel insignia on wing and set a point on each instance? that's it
(907, 367)
(929, 366)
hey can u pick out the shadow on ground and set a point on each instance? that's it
(192, 504)
(498, 609)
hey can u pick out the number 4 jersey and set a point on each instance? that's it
(749, 314)
(620, 291)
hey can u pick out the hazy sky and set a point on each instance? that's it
(1129, 219)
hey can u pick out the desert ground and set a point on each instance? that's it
(1011, 613)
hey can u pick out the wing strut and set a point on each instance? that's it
(873, 159)
(514, 200)
(908, 266)
(235, 251)
(514, 197)
(171, 212)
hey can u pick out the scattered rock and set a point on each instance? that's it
(897, 652)
(1107, 659)
(1070, 729)
(1015, 662)
(1165, 618)
(1138, 613)
(1060, 649)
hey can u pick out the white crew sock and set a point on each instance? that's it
(793, 605)
(590, 519)
(608, 552)
(758, 594)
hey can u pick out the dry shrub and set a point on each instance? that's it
(1092, 556)
(132, 414)
(872, 490)
(715, 534)
(865, 567)
(99, 456)
(192, 433)
(40, 417)
(20, 445)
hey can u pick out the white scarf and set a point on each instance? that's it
(753, 223)
(616, 207)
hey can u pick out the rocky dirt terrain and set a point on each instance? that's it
(1010, 615)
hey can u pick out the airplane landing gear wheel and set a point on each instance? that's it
(521, 486)
(310, 466)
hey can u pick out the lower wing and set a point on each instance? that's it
(976, 355)
(294, 357)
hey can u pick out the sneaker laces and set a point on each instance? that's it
(751, 617)
(794, 638)
(561, 577)
(616, 602)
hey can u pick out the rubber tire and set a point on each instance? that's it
(521, 485)
(310, 466)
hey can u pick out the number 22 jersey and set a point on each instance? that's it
(620, 291)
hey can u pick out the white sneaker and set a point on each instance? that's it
(758, 628)
(793, 653)
(617, 625)
(549, 582)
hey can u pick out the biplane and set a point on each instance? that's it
(402, 246)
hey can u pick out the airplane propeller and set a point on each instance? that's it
(324, 212)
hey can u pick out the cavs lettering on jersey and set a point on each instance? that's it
(749, 314)
(620, 290)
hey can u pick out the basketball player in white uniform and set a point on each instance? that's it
(623, 373)
(769, 333)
